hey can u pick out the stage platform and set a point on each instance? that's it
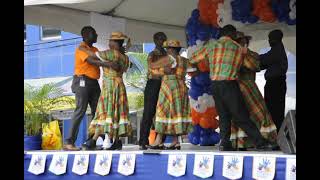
(153, 164)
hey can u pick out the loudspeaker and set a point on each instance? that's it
(287, 134)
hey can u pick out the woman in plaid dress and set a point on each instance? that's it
(112, 110)
(253, 100)
(173, 110)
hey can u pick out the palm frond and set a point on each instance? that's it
(38, 102)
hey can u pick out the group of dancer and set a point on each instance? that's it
(244, 118)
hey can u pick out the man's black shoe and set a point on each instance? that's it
(242, 149)
(117, 145)
(89, 145)
(226, 148)
(276, 148)
(265, 147)
(143, 147)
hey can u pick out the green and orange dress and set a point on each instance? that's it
(256, 106)
(173, 115)
(112, 114)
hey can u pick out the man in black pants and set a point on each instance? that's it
(275, 62)
(225, 58)
(85, 83)
(151, 92)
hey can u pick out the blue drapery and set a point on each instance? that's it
(148, 167)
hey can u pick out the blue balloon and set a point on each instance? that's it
(193, 41)
(194, 83)
(241, 10)
(291, 21)
(216, 34)
(253, 19)
(195, 93)
(205, 141)
(193, 139)
(195, 13)
(203, 137)
(203, 32)
(281, 10)
(191, 27)
(215, 138)
(194, 136)
(244, 20)
(203, 79)
(210, 139)
(196, 129)
(205, 132)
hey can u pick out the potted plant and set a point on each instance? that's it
(38, 102)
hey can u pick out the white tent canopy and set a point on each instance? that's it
(140, 19)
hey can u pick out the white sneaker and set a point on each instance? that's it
(99, 141)
(106, 143)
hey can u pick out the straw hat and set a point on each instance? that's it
(117, 36)
(240, 35)
(171, 43)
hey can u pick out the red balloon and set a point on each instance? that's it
(208, 119)
(208, 14)
(195, 116)
(212, 111)
(263, 10)
(204, 66)
(209, 122)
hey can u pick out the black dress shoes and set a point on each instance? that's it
(117, 145)
(265, 146)
(90, 144)
(159, 146)
(143, 147)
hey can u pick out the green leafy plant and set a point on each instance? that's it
(38, 102)
(142, 57)
(135, 101)
(136, 80)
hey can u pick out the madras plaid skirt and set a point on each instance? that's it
(173, 115)
(112, 110)
(259, 114)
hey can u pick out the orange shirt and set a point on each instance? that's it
(82, 67)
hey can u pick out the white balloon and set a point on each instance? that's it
(204, 102)
(292, 15)
(224, 12)
(190, 51)
(199, 42)
(220, 21)
(192, 101)
(197, 105)
(207, 100)
(292, 5)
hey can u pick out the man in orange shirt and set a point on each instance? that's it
(85, 83)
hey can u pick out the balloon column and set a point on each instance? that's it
(241, 11)
(218, 13)
(203, 110)
(203, 25)
(197, 32)
(292, 13)
(263, 10)
(208, 14)
(285, 11)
